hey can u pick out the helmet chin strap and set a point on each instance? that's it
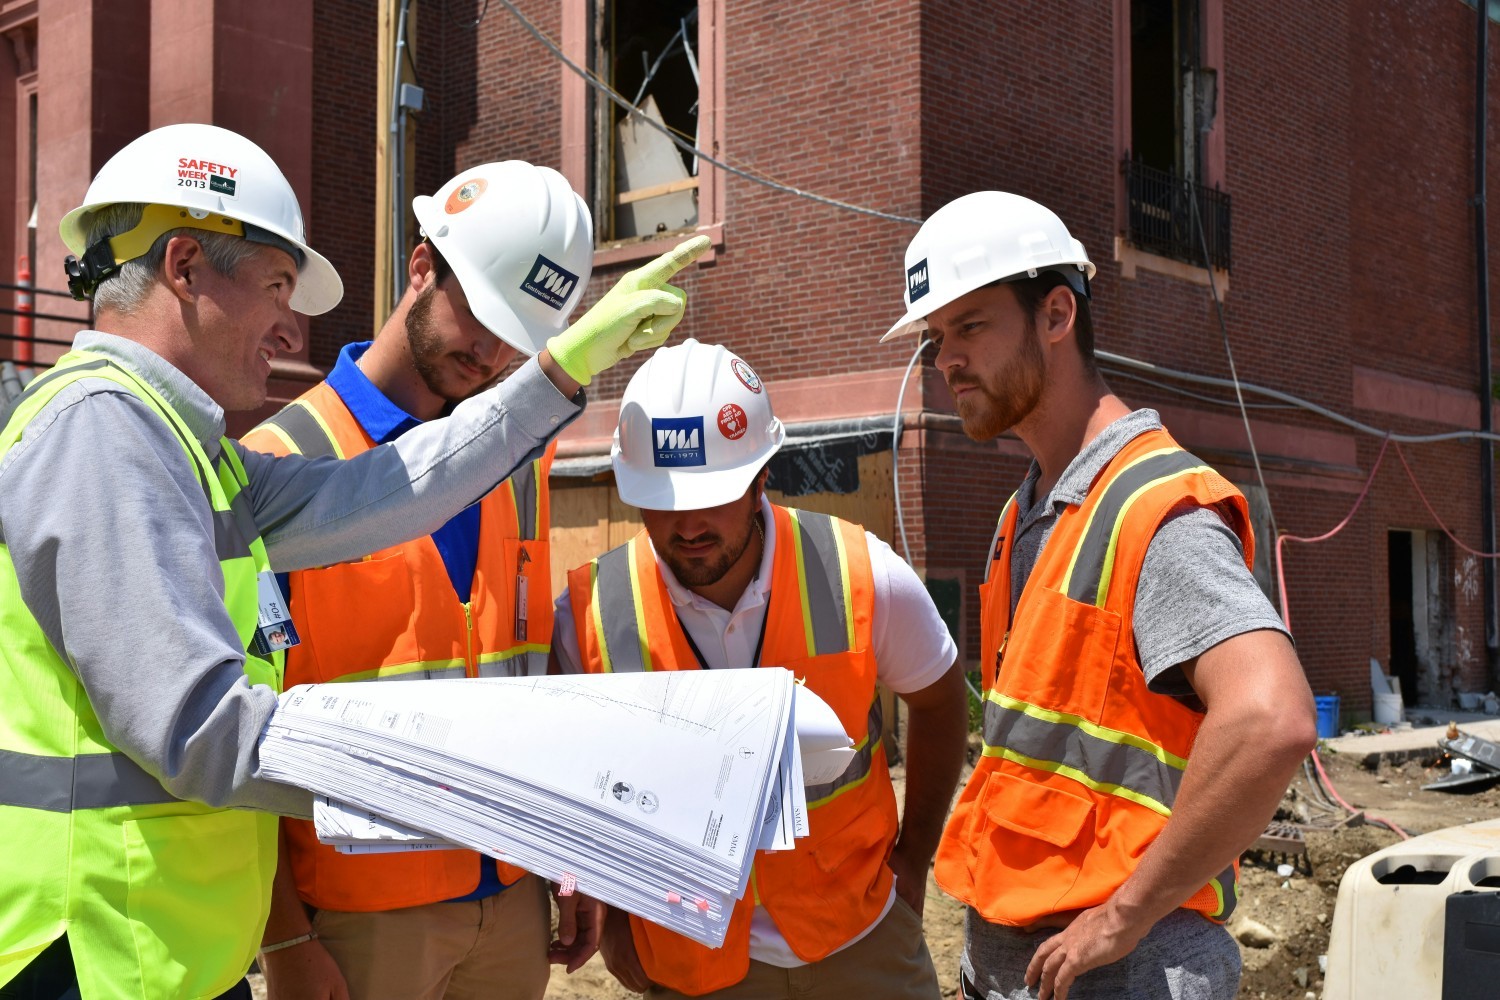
(103, 258)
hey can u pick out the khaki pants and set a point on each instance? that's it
(889, 963)
(489, 948)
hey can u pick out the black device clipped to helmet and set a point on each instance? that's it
(85, 276)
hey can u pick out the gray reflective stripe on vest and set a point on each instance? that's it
(302, 428)
(523, 488)
(1229, 892)
(528, 664)
(1088, 581)
(234, 528)
(41, 380)
(860, 765)
(621, 639)
(88, 781)
(1100, 762)
(825, 590)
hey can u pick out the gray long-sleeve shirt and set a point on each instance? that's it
(112, 541)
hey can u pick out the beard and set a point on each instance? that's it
(428, 352)
(703, 571)
(1000, 403)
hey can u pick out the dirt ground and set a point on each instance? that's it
(1297, 910)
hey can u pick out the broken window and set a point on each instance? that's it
(1173, 99)
(644, 184)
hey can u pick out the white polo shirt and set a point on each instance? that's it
(911, 644)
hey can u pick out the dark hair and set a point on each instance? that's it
(1031, 291)
(440, 268)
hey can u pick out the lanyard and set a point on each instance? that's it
(759, 642)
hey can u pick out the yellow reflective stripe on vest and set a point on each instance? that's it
(859, 767)
(1105, 760)
(417, 670)
(995, 539)
(66, 784)
(1093, 562)
(524, 660)
(303, 429)
(823, 582)
(619, 625)
(1226, 887)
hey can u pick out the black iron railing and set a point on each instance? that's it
(1174, 217)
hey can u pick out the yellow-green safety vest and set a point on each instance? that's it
(159, 897)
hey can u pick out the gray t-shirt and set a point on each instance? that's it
(1194, 591)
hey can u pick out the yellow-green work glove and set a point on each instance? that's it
(637, 314)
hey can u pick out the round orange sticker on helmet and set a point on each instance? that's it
(465, 195)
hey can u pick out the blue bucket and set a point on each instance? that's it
(1328, 715)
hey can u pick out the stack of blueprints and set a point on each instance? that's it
(649, 791)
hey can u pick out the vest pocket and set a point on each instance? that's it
(1060, 655)
(1031, 840)
(379, 632)
(198, 889)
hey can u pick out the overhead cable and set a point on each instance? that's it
(1285, 397)
(688, 147)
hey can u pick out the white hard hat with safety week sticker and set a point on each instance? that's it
(979, 239)
(199, 177)
(521, 243)
(695, 427)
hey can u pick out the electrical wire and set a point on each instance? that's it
(469, 25)
(896, 448)
(896, 427)
(1370, 817)
(1297, 401)
(685, 145)
(1213, 287)
(1188, 393)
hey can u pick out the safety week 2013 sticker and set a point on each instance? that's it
(206, 175)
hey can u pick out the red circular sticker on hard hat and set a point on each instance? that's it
(745, 374)
(732, 421)
(465, 195)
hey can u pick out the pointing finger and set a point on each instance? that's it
(661, 270)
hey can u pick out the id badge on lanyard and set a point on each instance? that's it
(275, 630)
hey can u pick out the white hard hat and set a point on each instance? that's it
(982, 238)
(213, 175)
(521, 243)
(695, 427)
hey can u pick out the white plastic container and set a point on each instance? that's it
(1388, 709)
(1389, 923)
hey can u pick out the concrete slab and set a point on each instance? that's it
(1416, 741)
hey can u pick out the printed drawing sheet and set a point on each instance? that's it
(650, 791)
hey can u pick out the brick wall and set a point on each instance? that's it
(1347, 152)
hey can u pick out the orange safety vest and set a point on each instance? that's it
(818, 625)
(394, 616)
(1081, 761)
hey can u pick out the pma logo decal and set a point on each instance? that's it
(916, 280)
(465, 195)
(678, 441)
(549, 282)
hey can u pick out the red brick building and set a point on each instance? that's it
(1327, 150)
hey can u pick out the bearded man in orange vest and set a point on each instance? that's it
(507, 254)
(1144, 708)
(720, 577)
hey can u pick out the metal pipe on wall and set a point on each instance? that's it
(1486, 384)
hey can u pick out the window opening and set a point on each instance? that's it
(1172, 103)
(643, 184)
